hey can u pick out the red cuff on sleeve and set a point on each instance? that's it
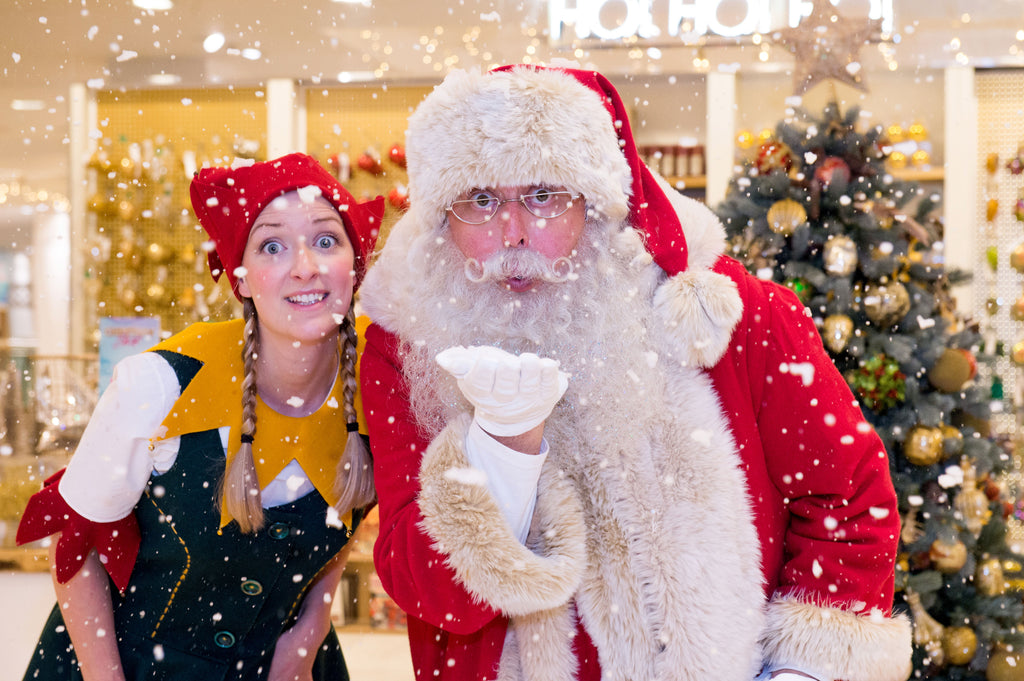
(117, 543)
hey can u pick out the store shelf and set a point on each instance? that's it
(688, 182)
(920, 175)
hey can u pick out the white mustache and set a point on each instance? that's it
(519, 264)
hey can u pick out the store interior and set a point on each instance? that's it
(107, 108)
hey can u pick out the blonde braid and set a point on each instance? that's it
(240, 486)
(354, 482)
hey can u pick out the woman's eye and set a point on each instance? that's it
(272, 248)
(326, 241)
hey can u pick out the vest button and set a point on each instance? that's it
(251, 587)
(279, 531)
(224, 639)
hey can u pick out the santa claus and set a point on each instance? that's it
(602, 450)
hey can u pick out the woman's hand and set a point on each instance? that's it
(297, 647)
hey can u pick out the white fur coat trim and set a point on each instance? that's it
(836, 644)
(462, 517)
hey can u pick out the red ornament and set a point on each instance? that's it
(971, 361)
(370, 162)
(397, 155)
(832, 168)
(773, 156)
(399, 197)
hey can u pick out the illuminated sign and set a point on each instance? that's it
(650, 19)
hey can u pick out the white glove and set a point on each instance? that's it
(510, 394)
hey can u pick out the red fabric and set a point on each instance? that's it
(117, 543)
(228, 200)
(651, 212)
(822, 467)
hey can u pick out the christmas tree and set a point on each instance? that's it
(815, 209)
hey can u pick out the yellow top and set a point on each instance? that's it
(213, 399)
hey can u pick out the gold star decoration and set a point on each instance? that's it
(827, 46)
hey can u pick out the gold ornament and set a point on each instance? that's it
(895, 133)
(156, 293)
(157, 252)
(991, 209)
(989, 579)
(745, 139)
(952, 370)
(1005, 664)
(920, 158)
(785, 216)
(910, 528)
(1017, 309)
(126, 166)
(927, 632)
(886, 304)
(992, 306)
(952, 433)
(1017, 257)
(948, 556)
(187, 255)
(991, 163)
(837, 330)
(917, 132)
(840, 256)
(1017, 353)
(971, 503)
(897, 160)
(959, 644)
(923, 445)
(125, 210)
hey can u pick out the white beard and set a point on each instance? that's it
(596, 325)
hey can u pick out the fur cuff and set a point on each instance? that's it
(462, 517)
(836, 644)
(699, 308)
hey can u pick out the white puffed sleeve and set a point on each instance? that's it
(113, 462)
(511, 476)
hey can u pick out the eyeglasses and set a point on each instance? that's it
(482, 204)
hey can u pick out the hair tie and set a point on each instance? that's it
(246, 438)
(352, 427)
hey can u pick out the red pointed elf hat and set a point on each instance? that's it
(227, 201)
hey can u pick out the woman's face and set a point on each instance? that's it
(298, 268)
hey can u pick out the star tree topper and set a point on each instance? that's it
(827, 46)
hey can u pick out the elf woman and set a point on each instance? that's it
(204, 518)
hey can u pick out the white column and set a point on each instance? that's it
(81, 116)
(961, 177)
(51, 282)
(721, 127)
(282, 96)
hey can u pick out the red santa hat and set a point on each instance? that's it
(524, 125)
(227, 201)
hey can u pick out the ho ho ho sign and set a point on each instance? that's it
(651, 19)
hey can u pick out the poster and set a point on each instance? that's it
(123, 336)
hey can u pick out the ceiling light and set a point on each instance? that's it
(213, 42)
(154, 4)
(355, 76)
(163, 79)
(27, 104)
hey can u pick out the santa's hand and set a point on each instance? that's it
(511, 394)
